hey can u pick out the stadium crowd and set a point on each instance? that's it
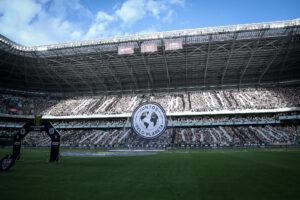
(213, 136)
(171, 120)
(246, 135)
(222, 118)
(227, 99)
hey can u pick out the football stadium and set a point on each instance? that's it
(207, 113)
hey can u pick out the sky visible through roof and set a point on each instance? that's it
(40, 22)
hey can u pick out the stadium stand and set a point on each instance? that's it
(176, 137)
(227, 86)
(191, 101)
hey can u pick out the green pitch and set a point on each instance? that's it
(187, 174)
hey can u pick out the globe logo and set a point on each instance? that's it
(149, 120)
(51, 131)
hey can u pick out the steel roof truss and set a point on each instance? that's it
(219, 47)
(287, 54)
(166, 63)
(93, 72)
(246, 44)
(107, 64)
(229, 57)
(207, 60)
(147, 68)
(253, 51)
(130, 72)
(58, 75)
(186, 63)
(49, 74)
(76, 74)
(197, 49)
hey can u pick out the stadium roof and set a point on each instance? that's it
(236, 56)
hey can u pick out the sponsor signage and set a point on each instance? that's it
(148, 47)
(7, 162)
(37, 128)
(128, 49)
(149, 120)
(173, 45)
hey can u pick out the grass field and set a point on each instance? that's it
(184, 174)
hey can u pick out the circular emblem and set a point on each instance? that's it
(51, 131)
(7, 162)
(23, 131)
(149, 120)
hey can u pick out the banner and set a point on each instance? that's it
(148, 47)
(128, 49)
(173, 45)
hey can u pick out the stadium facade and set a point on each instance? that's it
(228, 56)
(220, 86)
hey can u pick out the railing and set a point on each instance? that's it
(229, 123)
(169, 125)
(169, 114)
(170, 146)
(291, 117)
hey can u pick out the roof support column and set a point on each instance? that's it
(34, 64)
(25, 70)
(74, 72)
(207, 60)
(57, 74)
(146, 66)
(166, 63)
(93, 72)
(229, 57)
(131, 73)
(253, 51)
(105, 62)
(186, 63)
(272, 60)
(47, 72)
(290, 46)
